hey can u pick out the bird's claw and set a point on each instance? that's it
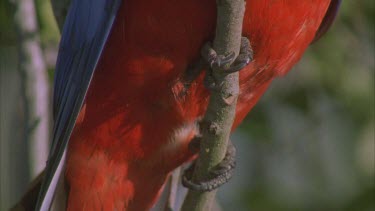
(210, 59)
(219, 175)
(244, 57)
(228, 62)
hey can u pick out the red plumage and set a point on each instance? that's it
(137, 120)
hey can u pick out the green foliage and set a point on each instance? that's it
(7, 33)
(49, 31)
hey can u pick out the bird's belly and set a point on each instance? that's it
(133, 106)
(150, 49)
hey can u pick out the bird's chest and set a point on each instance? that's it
(152, 44)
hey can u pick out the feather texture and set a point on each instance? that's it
(135, 103)
(85, 31)
(328, 19)
(124, 143)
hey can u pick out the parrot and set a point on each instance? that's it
(126, 105)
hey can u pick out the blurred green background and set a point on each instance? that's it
(308, 145)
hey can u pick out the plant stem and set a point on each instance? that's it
(217, 123)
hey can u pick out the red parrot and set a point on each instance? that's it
(124, 116)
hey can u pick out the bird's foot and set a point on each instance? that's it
(219, 175)
(210, 59)
(227, 63)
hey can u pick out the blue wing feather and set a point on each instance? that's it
(328, 19)
(85, 32)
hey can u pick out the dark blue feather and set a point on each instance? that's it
(328, 19)
(85, 32)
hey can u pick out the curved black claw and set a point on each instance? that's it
(244, 58)
(220, 175)
(217, 61)
(229, 63)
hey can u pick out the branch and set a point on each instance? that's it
(217, 123)
(34, 84)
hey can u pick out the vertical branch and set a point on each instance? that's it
(217, 123)
(34, 84)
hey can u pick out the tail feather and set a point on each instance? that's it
(29, 199)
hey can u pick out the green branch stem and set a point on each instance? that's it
(217, 123)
